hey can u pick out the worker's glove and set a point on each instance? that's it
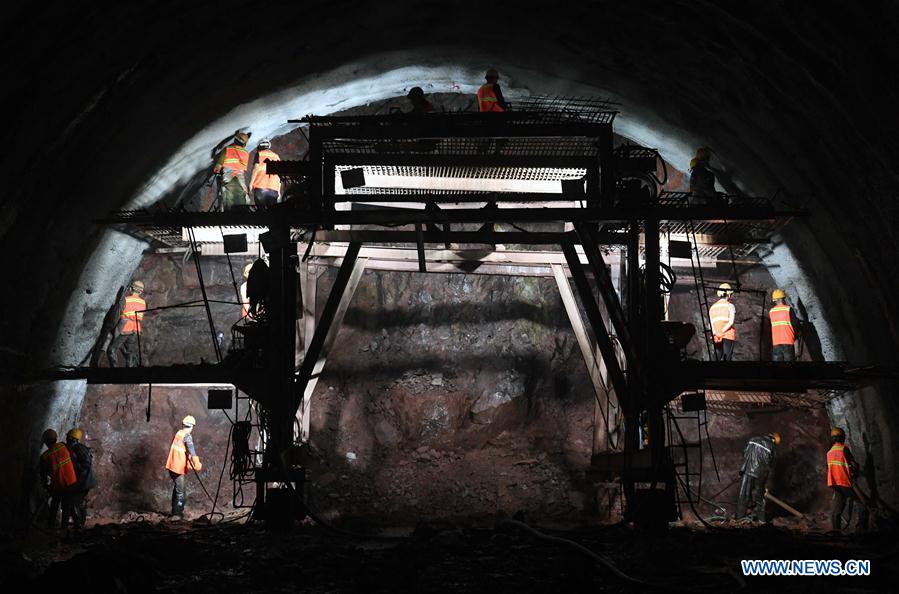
(195, 462)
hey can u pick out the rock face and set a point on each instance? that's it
(445, 396)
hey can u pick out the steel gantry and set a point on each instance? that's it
(426, 186)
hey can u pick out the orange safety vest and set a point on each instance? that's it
(177, 461)
(838, 473)
(260, 179)
(781, 326)
(235, 159)
(133, 314)
(720, 314)
(59, 460)
(487, 99)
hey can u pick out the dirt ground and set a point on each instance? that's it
(156, 556)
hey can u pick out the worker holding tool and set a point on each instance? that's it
(74, 503)
(841, 468)
(57, 473)
(265, 188)
(490, 96)
(182, 457)
(722, 314)
(783, 334)
(231, 166)
(758, 460)
(129, 328)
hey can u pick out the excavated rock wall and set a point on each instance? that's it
(445, 396)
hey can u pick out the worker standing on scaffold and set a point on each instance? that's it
(722, 315)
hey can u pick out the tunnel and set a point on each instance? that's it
(116, 108)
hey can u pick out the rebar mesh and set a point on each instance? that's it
(465, 146)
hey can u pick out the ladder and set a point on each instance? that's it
(702, 299)
(686, 453)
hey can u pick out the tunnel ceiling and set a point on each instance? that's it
(791, 95)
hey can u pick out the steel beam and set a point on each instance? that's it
(589, 240)
(327, 327)
(311, 218)
(596, 367)
(599, 330)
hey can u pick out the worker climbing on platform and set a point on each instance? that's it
(266, 188)
(702, 179)
(416, 97)
(841, 470)
(490, 95)
(231, 167)
(244, 298)
(130, 326)
(783, 333)
(722, 315)
(758, 460)
(74, 500)
(57, 473)
(182, 457)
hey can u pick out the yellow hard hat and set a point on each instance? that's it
(246, 270)
(837, 432)
(724, 289)
(76, 434)
(778, 294)
(49, 435)
(776, 437)
(189, 421)
(242, 137)
(491, 73)
(138, 285)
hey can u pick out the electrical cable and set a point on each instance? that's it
(604, 561)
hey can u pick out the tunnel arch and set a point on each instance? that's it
(781, 108)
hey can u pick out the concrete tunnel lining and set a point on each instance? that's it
(649, 117)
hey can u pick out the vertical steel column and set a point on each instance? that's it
(281, 309)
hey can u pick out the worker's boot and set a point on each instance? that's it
(177, 506)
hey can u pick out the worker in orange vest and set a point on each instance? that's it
(129, 328)
(490, 96)
(783, 334)
(57, 473)
(841, 467)
(722, 314)
(231, 165)
(182, 457)
(265, 188)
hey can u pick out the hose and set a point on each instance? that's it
(605, 562)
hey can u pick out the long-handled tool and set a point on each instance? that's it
(782, 503)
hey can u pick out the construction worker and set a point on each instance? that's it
(783, 334)
(722, 314)
(129, 328)
(231, 166)
(182, 457)
(702, 180)
(244, 299)
(758, 460)
(57, 473)
(490, 96)
(841, 467)
(416, 97)
(265, 188)
(74, 503)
